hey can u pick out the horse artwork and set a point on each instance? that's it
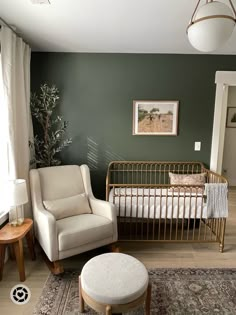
(155, 117)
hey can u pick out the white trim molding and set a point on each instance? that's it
(223, 80)
(226, 77)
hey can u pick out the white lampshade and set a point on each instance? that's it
(211, 26)
(17, 192)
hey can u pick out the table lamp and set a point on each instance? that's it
(17, 198)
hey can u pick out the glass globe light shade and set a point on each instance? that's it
(214, 28)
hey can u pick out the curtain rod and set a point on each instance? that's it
(11, 28)
(6, 24)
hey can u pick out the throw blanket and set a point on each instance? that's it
(217, 201)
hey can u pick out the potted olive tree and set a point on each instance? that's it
(49, 128)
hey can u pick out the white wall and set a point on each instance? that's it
(229, 156)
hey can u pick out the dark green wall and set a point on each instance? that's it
(97, 91)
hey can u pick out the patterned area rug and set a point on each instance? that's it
(174, 291)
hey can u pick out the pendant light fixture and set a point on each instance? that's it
(211, 25)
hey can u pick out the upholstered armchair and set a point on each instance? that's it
(68, 219)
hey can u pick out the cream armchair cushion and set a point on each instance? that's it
(88, 229)
(60, 228)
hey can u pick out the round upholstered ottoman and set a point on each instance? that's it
(114, 283)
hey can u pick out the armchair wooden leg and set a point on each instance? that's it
(114, 248)
(55, 267)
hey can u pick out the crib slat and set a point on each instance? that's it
(160, 216)
(136, 225)
(154, 215)
(177, 218)
(171, 218)
(183, 218)
(166, 216)
(200, 222)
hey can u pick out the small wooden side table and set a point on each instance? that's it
(13, 235)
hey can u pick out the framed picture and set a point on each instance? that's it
(157, 118)
(231, 117)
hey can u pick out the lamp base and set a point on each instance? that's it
(17, 222)
(16, 216)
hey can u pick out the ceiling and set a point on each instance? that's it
(111, 26)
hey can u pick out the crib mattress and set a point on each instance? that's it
(157, 203)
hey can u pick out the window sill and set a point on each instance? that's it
(3, 218)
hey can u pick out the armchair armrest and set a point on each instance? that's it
(107, 210)
(103, 208)
(46, 229)
(44, 221)
(99, 207)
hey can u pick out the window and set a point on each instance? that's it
(4, 151)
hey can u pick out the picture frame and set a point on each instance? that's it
(156, 118)
(231, 117)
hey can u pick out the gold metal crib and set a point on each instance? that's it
(149, 208)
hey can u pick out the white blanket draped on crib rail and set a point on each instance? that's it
(217, 201)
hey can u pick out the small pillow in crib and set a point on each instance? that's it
(188, 180)
(67, 207)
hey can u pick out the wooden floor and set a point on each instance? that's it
(152, 255)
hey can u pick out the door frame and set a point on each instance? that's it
(223, 80)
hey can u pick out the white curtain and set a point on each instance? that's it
(15, 66)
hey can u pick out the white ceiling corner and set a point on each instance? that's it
(110, 26)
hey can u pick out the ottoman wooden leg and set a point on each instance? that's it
(108, 310)
(81, 300)
(148, 299)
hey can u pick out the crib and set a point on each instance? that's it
(152, 207)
